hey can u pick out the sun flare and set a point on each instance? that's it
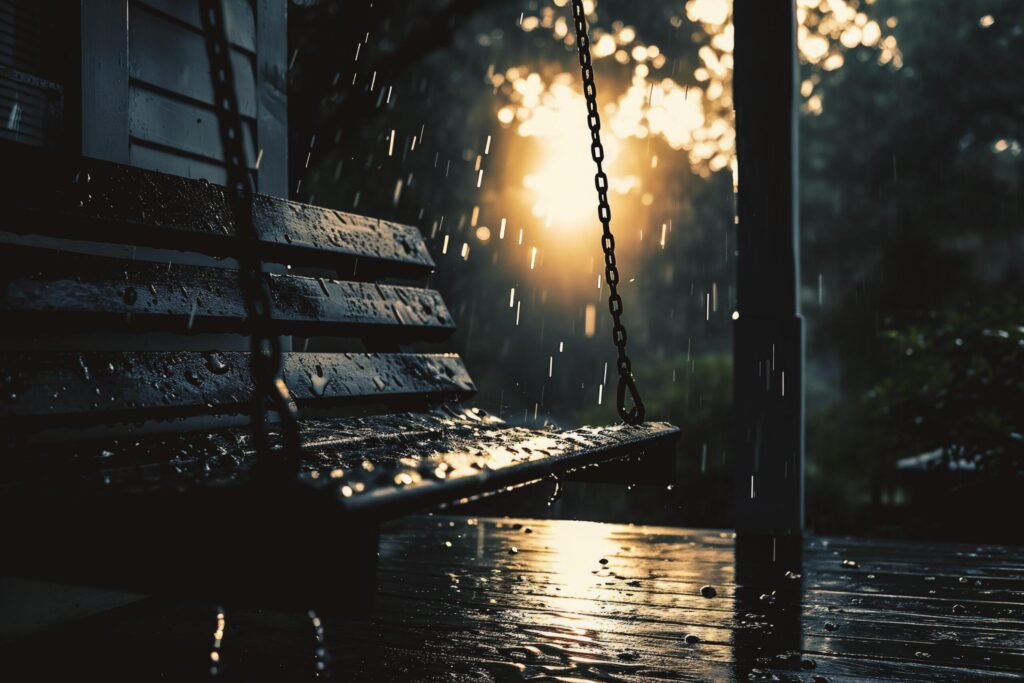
(561, 183)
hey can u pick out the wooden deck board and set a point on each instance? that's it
(495, 600)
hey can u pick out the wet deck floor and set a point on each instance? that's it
(493, 600)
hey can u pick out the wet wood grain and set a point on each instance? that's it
(63, 387)
(99, 201)
(462, 599)
(56, 292)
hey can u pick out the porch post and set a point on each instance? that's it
(768, 354)
(104, 91)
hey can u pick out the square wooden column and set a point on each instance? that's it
(768, 337)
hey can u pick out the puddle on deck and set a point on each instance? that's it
(468, 600)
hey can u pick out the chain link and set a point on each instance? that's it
(265, 357)
(627, 383)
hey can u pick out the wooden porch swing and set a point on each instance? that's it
(136, 457)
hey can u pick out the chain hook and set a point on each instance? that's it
(634, 415)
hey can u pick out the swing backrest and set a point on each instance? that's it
(115, 278)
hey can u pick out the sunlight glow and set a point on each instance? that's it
(562, 179)
(696, 118)
(577, 548)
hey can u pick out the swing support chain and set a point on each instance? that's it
(627, 383)
(269, 389)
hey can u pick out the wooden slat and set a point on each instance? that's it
(415, 459)
(451, 466)
(391, 461)
(105, 202)
(646, 599)
(67, 388)
(60, 292)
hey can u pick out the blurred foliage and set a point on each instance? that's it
(956, 385)
(951, 386)
(912, 238)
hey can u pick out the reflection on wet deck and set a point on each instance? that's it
(495, 600)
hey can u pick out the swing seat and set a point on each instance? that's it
(127, 456)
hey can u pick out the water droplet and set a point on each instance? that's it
(86, 375)
(692, 638)
(831, 626)
(708, 591)
(557, 493)
(318, 383)
(215, 363)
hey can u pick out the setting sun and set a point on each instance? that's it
(562, 186)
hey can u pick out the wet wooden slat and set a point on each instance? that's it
(487, 461)
(100, 201)
(377, 466)
(67, 388)
(62, 292)
(628, 603)
(513, 599)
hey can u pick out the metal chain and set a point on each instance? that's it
(265, 357)
(627, 382)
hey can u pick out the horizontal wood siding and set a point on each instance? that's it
(21, 36)
(169, 56)
(170, 161)
(172, 124)
(238, 15)
(30, 109)
(30, 106)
